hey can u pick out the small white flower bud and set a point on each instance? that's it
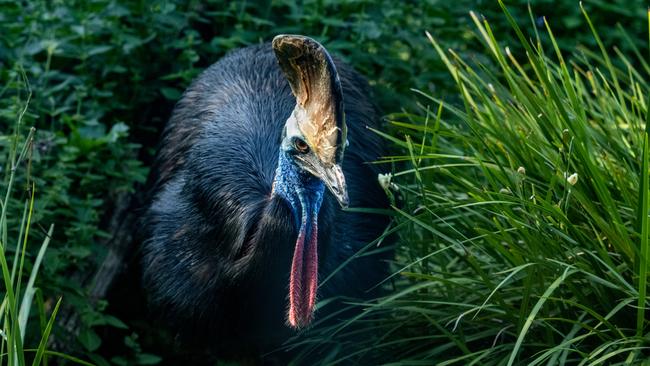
(384, 180)
(572, 179)
(521, 170)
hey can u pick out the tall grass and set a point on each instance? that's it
(20, 292)
(524, 228)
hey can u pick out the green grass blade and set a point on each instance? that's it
(14, 266)
(46, 335)
(644, 193)
(26, 303)
(12, 328)
(533, 314)
(23, 252)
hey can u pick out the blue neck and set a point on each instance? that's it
(303, 191)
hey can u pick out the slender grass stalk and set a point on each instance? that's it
(46, 333)
(531, 317)
(28, 297)
(643, 222)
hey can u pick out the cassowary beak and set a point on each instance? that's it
(331, 175)
(335, 181)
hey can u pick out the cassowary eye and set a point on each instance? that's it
(301, 146)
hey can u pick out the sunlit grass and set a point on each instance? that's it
(524, 228)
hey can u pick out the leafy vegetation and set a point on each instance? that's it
(525, 223)
(21, 296)
(478, 254)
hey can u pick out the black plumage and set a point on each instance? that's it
(218, 245)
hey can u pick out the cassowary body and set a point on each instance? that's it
(239, 228)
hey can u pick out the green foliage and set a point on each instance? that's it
(17, 300)
(525, 216)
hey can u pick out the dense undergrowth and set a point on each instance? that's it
(503, 260)
(525, 225)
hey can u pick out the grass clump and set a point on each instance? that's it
(21, 298)
(525, 218)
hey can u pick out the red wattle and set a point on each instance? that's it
(303, 281)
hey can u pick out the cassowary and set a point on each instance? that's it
(256, 166)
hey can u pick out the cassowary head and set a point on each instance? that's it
(311, 152)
